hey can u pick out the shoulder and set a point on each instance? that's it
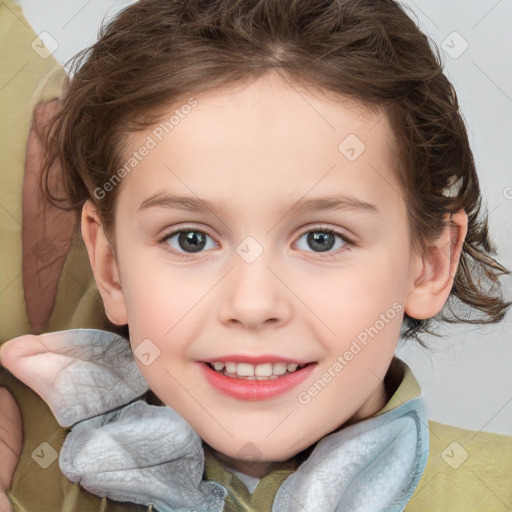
(466, 470)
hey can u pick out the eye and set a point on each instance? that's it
(188, 241)
(322, 240)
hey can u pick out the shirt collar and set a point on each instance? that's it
(401, 385)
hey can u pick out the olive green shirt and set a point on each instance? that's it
(466, 470)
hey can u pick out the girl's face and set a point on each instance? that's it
(264, 222)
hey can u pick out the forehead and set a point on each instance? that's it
(266, 137)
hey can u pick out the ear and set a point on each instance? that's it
(436, 269)
(104, 265)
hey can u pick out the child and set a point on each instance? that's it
(313, 157)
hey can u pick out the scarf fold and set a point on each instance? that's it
(372, 466)
(142, 454)
(128, 450)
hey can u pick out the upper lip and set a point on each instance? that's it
(254, 360)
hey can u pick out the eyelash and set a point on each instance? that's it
(163, 241)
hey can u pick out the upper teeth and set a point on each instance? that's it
(259, 370)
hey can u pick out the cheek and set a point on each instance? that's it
(157, 296)
(363, 310)
(356, 297)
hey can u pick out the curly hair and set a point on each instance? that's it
(158, 51)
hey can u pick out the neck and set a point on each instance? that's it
(256, 469)
(378, 399)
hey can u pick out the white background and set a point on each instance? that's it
(466, 376)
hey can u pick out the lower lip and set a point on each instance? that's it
(253, 390)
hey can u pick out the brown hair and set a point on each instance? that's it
(158, 51)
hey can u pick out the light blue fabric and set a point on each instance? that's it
(102, 375)
(371, 466)
(142, 454)
(150, 455)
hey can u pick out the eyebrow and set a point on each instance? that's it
(198, 205)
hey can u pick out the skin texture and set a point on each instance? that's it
(256, 148)
(11, 437)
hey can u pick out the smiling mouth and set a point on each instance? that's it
(263, 371)
(261, 383)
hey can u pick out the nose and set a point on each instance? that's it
(254, 295)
